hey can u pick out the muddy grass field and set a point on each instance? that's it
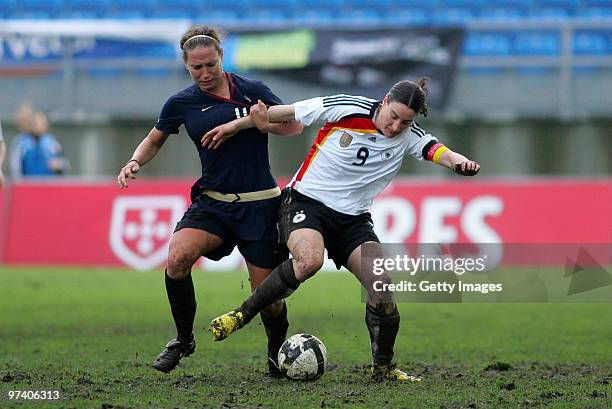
(93, 334)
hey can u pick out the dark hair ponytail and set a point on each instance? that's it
(413, 94)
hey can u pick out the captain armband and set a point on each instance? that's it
(435, 152)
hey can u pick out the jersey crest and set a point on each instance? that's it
(345, 140)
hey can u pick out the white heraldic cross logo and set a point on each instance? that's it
(141, 228)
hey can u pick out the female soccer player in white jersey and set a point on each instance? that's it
(356, 154)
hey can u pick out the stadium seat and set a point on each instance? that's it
(359, 17)
(313, 18)
(501, 14)
(39, 9)
(591, 13)
(220, 18)
(551, 13)
(265, 18)
(408, 4)
(487, 43)
(568, 4)
(411, 17)
(99, 7)
(591, 43)
(453, 16)
(540, 43)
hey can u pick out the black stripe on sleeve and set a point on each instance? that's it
(418, 131)
(427, 147)
(367, 108)
(349, 97)
(347, 101)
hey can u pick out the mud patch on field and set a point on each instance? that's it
(15, 377)
(498, 367)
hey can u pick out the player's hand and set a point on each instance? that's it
(259, 116)
(467, 168)
(1, 178)
(216, 136)
(129, 171)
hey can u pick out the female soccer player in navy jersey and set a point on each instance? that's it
(235, 201)
(356, 154)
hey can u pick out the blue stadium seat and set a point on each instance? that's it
(542, 43)
(98, 7)
(595, 12)
(476, 4)
(419, 4)
(365, 4)
(501, 13)
(359, 18)
(335, 5)
(33, 15)
(265, 18)
(39, 8)
(591, 43)
(551, 13)
(509, 3)
(453, 16)
(314, 18)
(487, 43)
(238, 6)
(408, 17)
(603, 3)
(568, 4)
(220, 18)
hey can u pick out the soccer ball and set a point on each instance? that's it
(302, 357)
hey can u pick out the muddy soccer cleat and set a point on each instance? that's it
(222, 326)
(391, 373)
(176, 349)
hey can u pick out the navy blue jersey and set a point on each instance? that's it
(241, 163)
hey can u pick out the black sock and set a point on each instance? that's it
(281, 283)
(183, 304)
(276, 330)
(383, 329)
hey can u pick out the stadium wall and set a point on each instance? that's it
(73, 223)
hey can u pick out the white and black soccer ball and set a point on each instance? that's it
(302, 357)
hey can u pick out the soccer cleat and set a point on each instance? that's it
(221, 327)
(176, 349)
(391, 373)
(273, 371)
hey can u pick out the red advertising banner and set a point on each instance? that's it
(98, 224)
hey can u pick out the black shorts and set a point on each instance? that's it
(342, 233)
(252, 226)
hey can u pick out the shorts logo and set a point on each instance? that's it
(387, 154)
(345, 140)
(299, 217)
(141, 228)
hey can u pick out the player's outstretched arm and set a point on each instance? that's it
(146, 150)
(261, 118)
(458, 163)
(276, 114)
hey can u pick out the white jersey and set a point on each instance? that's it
(351, 161)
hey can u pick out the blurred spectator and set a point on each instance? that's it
(2, 155)
(35, 151)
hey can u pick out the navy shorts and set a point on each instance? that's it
(252, 226)
(342, 233)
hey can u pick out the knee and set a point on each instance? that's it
(387, 308)
(179, 265)
(307, 264)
